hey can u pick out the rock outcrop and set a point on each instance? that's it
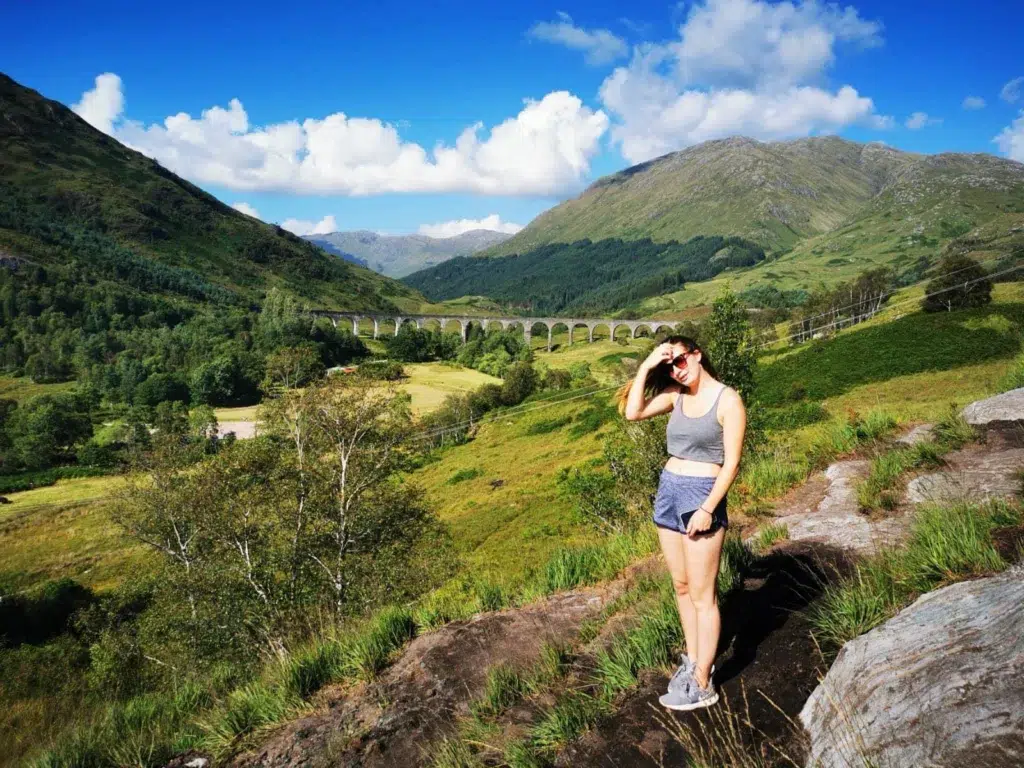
(836, 520)
(941, 684)
(978, 472)
(1007, 407)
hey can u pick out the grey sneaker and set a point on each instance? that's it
(683, 676)
(690, 697)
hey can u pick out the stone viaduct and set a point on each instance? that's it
(506, 323)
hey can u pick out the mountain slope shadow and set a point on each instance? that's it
(768, 667)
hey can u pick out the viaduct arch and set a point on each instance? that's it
(576, 326)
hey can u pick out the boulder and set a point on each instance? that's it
(940, 684)
(1007, 407)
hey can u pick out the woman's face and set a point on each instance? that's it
(685, 366)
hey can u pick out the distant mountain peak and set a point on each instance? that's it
(401, 255)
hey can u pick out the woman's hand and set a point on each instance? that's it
(700, 521)
(661, 354)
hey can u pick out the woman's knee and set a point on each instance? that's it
(681, 586)
(704, 600)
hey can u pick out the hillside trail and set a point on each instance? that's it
(768, 666)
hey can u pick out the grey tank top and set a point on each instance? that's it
(698, 438)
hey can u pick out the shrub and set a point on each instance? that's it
(545, 426)
(463, 475)
(960, 283)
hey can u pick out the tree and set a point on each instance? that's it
(264, 535)
(44, 431)
(291, 367)
(727, 340)
(960, 283)
(520, 382)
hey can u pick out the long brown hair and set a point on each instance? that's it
(660, 378)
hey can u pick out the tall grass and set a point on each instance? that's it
(880, 489)
(567, 720)
(1014, 378)
(648, 645)
(947, 544)
(768, 535)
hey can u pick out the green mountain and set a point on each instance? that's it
(778, 193)
(823, 209)
(73, 197)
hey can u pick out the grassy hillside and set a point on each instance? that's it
(69, 194)
(824, 209)
(586, 278)
(778, 193)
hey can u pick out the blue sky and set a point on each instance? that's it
(563, 93)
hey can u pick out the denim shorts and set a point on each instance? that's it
(678, 498)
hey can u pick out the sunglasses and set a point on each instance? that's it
(679, 361)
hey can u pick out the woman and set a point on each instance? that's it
(705, 438)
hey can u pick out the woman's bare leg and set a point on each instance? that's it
(675, 558)
(700, 557)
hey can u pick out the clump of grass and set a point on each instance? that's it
(309, 670)
(947, 544)
(950, 544)
(953, 431)
(845, 436)
(490, 595)
(442, 607)
(735, 562)
(246, 709)
(569, 568)
(453, 753)
(1014, 378)
(146, 731)
(726, 739)
(592, 419)
(768, 535)
(567, 720)
(770, 473)
(521, 754)
(648, 645)
(879, 489)
(463, 475)
(504, 687)
(370, 651)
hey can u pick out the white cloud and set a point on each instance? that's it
(1011, 91)
(1011, 139)
(247, 209)
(301, 227)
(600, 46)
(919, 120)
(103, 105)
(750, 43)
(545, 149)
(459, 226)
(739, 67)
(974, 102)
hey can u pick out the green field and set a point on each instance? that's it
(64, 530)
(429, 383)
(25, 389)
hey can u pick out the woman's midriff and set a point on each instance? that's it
(692, 468)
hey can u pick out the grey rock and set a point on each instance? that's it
(984, 476)
(940, 684)
(837, 521)
(918, 434)
(199, 762)
(1006, 407)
